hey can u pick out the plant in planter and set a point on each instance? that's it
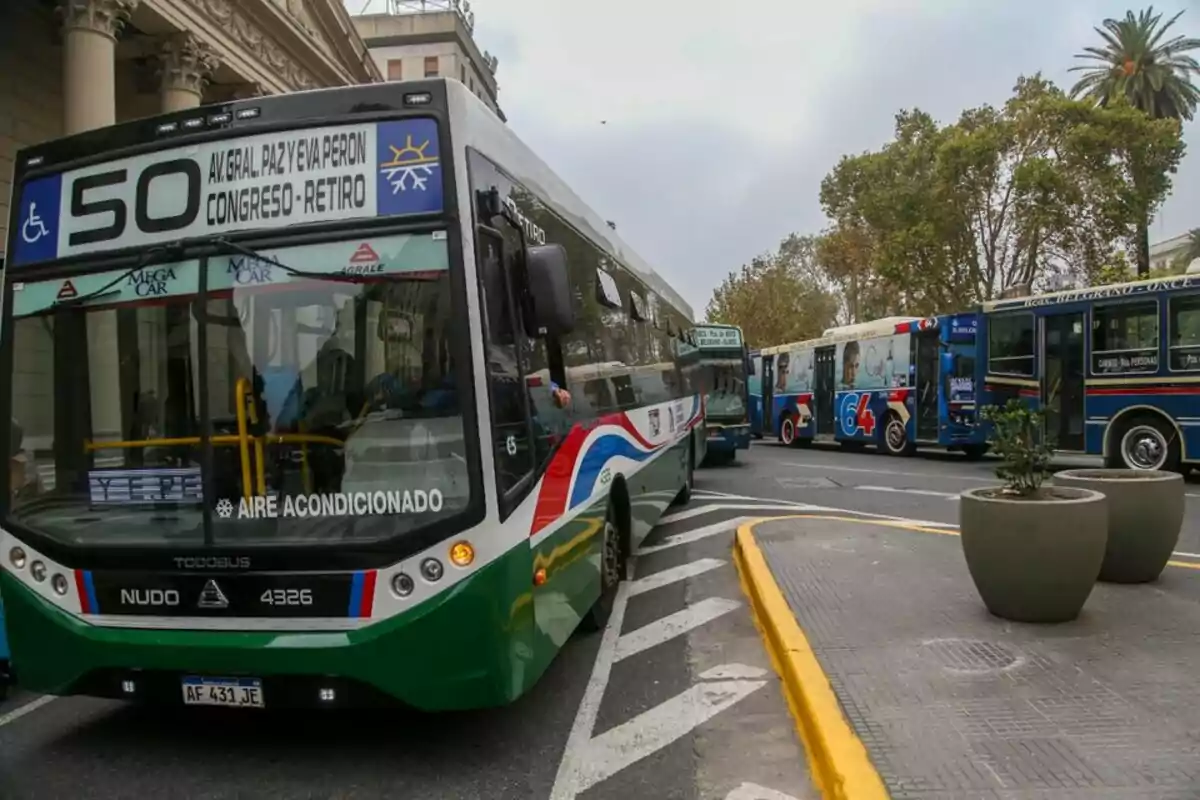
(1033, 550)
(1145, 516)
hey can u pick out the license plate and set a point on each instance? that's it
(228, 692)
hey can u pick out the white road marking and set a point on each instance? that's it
(566, 781)
(768, 505)
(726, 672)
(694, 535)
(672, 625)
(1186, 555)
(725, 496)
(927, 475)
(28, 708)
(652, 730)
(925, 492)
(668, 576)
(752, 791)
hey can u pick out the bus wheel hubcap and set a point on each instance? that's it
(788, 431)
(895, 435)
(1144, 448)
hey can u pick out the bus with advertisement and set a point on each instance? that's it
(899, 383)
(1115, 370)
(720, 371)
(284, 369)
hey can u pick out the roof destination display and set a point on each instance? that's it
(264, 181)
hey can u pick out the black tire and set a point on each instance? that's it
(685, 494)
(787, 430)
(974, 452)
(1148, 442)
(612, 572)
(894, 436)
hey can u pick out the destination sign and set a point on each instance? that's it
(271, 180)
(714, 338)
(1112, 292)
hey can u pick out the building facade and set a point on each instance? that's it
(1167, 253)
(436, 39)
(74, 65)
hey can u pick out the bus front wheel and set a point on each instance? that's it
(612, 571)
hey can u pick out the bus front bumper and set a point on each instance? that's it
(467, 648)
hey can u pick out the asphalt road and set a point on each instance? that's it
(676, 700)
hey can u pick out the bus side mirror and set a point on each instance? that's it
(552, 304)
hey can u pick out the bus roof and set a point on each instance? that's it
(863, 330)
(484, 131)
(1111, 291)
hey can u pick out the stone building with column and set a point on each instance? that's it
(72, 65)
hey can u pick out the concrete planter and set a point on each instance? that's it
(1036, 558)
(1145, 515)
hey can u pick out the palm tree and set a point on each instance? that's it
(1151, 74)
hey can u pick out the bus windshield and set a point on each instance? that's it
(726, 398)
(332, 405)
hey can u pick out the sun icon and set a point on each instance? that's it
(408, 163)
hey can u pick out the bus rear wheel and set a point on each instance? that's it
(612, 572)
(895, 436)
(1149, 443)
(787, 430)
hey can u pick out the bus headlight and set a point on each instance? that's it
(431, 570)
(402, 584)
(16, 557)
(59, 583)
(38, 570)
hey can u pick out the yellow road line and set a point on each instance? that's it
(840, 764)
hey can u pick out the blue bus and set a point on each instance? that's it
(899, 383)
(717, 368)
(1114, 369)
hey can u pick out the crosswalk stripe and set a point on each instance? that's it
(672, 625)
(689, 513)
(666, 577)
(694, 535)
(654, 729)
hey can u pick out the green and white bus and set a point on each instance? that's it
(296, 379)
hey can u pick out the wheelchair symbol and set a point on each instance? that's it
(33, 229)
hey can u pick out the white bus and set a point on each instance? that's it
(282, 370)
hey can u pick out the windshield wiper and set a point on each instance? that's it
(297, 273)
(106, 291)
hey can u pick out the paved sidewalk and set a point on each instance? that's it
(951, 702)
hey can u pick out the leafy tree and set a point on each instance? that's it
(778, 297)
(1136, 65)
(948, 216)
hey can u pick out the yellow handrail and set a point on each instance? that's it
(221, 439)
(243, 442)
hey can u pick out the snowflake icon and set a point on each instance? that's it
(409, 165)
(224, 508)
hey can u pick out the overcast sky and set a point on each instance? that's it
(722, 118)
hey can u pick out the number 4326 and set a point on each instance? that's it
(287, 597)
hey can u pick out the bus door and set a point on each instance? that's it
(823, 383)
(926, 348)
(1063, 379)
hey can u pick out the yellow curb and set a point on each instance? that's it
(841, 767)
